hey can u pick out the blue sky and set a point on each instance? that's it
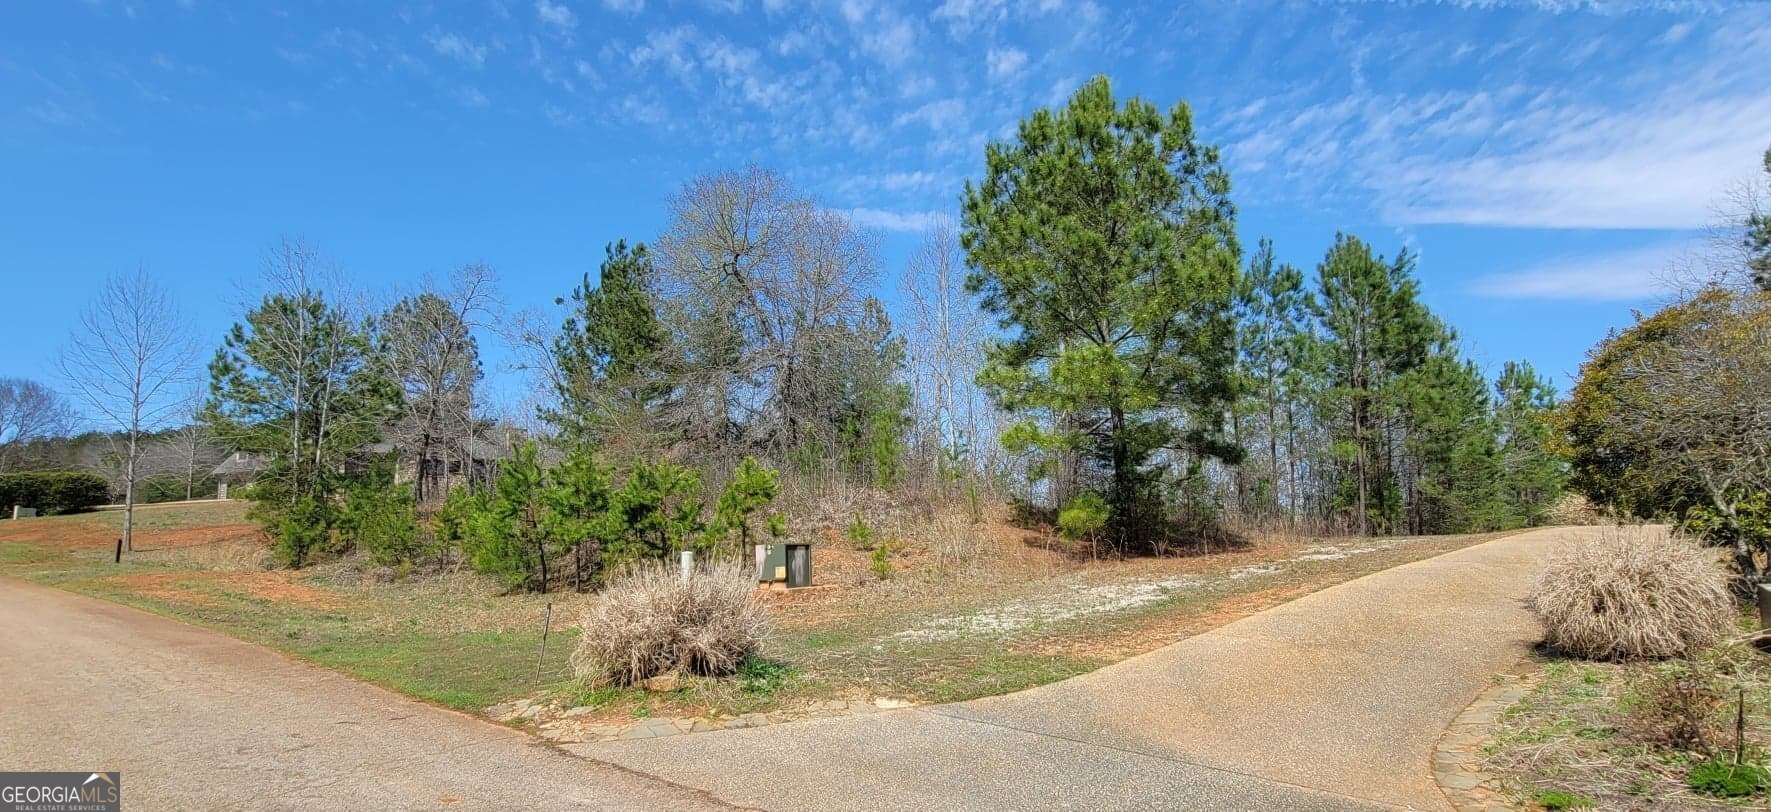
(1546, 159)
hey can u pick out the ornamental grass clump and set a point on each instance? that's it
(1632, 594)
(652, 622)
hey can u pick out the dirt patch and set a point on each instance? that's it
(87, 533)
(163, 586)
(199, 589)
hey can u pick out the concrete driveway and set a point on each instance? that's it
(1332, 701)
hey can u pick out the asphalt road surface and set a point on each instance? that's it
(197, 720)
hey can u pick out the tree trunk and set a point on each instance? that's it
(129, 494)
(1121, 498)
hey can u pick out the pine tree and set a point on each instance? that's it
(1532, 475)
(579, 497)
(1103, 236)
(296, 385)
(1758, 241)
(508, 538)
(1373, 330)
(1273, 317)
(610, 350)
(750, 490)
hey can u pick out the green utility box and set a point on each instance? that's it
(771, 563)
(789, 564)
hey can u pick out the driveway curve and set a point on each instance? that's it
(1332, 701)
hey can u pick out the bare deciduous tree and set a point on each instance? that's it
(129, 363)
(28, 411)
(427, 344)
(754, 272)
(946, 334)
(187, 452)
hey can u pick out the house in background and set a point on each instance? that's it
(470, 461)
(240, 468)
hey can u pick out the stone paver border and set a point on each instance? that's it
(1458, 758)
(572, 725)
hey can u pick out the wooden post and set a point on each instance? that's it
(1740, 728)
(546, 621)
(119, 558)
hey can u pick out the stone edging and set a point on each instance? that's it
(575, 725)
(1458, 758)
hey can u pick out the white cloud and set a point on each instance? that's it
(881, 32)
(1062, 90)
(1645, 149)
(1620, 276)
(557, 15)
(965, 16)
(625, 6)
(941, 116)
(457, 47)
(1006, 63)
(893, 220)
(669, 48)
(1658, 165)
(560, 117)
(471, 96)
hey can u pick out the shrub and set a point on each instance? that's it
(1725, 780)
(1083, 517)
(381, 517)
(882, 560)
(297, 529)
(1629, 594)
(652, 622)
(1675, 706)
(1556, 799)
(859, 534)
(53, 491)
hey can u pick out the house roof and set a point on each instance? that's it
(239, 462)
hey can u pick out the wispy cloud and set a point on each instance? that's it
(470, 96)
(1623, 276)
(557, 15)
(894, 220)
(457, 47)
(1005, 63)
(625, 6)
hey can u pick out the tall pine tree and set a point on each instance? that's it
(1103, 238)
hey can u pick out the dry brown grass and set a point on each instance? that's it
(1605, 731)
(1632, 594)
(653, 622)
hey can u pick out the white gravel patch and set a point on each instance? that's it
(1024, 614)
(1253, 570)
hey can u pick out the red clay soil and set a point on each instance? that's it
(276, 586)
(96, 535)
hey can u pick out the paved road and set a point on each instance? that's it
(197, 720)
(1333, 701)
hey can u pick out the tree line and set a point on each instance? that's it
(1088, 338)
